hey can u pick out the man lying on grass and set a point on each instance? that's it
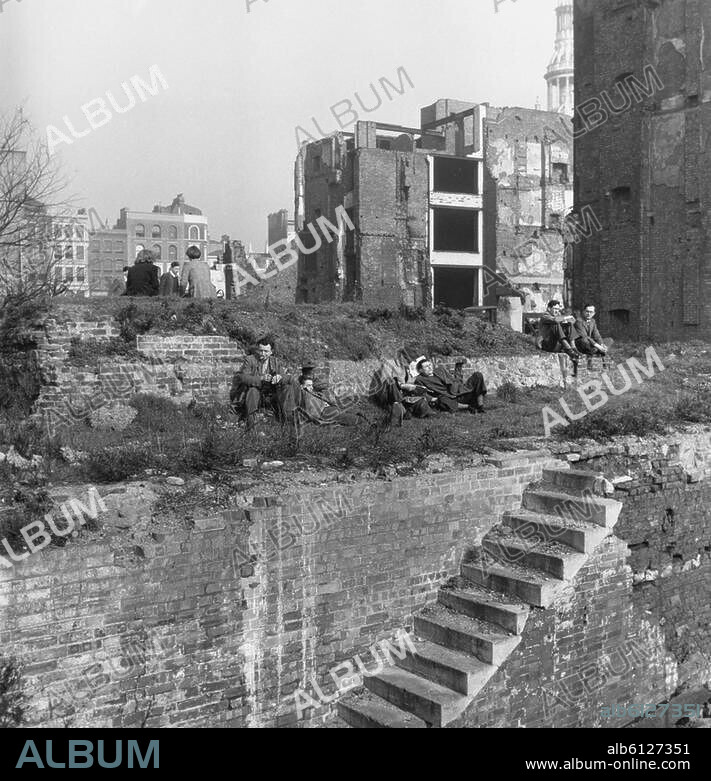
(450, 393)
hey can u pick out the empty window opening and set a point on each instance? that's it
(455, 230)
(456, 288)
(452, 175)
(560, 173)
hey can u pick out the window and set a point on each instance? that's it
(69, 252)
(140, 231)
(139, 248)
(172, 252)
(194, 233)
(560, 173)
(107, 246)
(118, 246)
(81, 273)
(157, 251)
(80, 253)
(317, 164)
(452, 175)
(620, 205)
(95, 245)
(68, 274)
(455, 230)
(155, 232)
(173, 233)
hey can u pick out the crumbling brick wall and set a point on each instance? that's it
(641, 163)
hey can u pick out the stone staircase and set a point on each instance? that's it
(461, 641)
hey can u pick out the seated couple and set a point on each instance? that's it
(570, 335)
(424, 389)
(262, 384)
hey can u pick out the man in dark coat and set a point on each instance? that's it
(398, 394)
(143, 276)
(261, 383)
(556, 331)
(170, 282)
(451, 394)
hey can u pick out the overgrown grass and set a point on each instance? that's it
(344, 332)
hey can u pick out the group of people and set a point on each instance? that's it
(144, 278)
(574, 336)
(408, 389)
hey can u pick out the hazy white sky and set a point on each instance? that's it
(239, 83)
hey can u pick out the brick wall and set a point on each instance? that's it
(656, 148)
(188, 367)
(190, 633)
(218, 619)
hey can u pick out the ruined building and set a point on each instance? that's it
(642, 160)
(435, 209)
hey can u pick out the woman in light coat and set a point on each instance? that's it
(195, 276)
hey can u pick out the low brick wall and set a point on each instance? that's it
(202, 368)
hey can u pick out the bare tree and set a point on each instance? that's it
(31, 200)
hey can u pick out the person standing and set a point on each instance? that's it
(142, 279)
(170, 282)
(195, 276)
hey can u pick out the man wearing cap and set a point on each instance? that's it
(170, 282)
(195, 276)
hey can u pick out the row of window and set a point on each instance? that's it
(156, 232)
(158, 251)
(70, 274)
(69, 252)
(109, 246)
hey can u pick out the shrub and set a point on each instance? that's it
(156, 413)
(508, 392)
(617, 421)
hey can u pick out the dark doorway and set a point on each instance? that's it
(455, 287)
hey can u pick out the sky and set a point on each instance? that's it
(240, 79)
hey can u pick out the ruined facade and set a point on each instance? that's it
(435, 209)
(642, 159)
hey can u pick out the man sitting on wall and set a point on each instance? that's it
(451, 394)
(260, 383)
(398, 394)
(556, 332)
(170, 282)
(587, 336)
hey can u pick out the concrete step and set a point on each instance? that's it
(485, 605)
(365, 710)
(453, 669)
(554, 558)
(434, 704)
(537, 526)
(461, 633)
(575, 481)
(531, 585)
(595, 510)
